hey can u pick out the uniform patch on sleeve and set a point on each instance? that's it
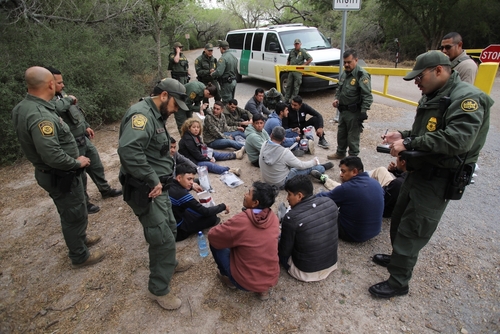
(192, 95)
(139, 122)
(46, 128)
(353, 82)
(469, 105)
(221, 60)
(366, 81)
(196, 61)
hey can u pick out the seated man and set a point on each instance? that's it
(297, 119)
(217, 134)
(271, 98)
(245, 247)
(292, 136)
(278, 164)
(236, 116)
(190, 215)
(255, 105)
(391, 179)
(309, 234)
(255, 138)
(360, 200)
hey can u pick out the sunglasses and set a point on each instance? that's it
(419, 77)
(447, 47)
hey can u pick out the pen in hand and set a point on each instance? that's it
(383, 137)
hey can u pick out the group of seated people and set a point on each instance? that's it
(249, 247)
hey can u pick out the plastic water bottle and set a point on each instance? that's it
(202, 244)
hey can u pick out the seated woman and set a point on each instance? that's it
(191, 146)
(218, 134)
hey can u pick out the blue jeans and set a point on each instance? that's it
(225, 143)
(294, 171)
(235, 133)
(221, 257)
(219, 156)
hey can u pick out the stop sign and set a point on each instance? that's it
(491, 54)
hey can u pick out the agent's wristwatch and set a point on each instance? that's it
(407, 143)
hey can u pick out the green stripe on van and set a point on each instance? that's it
(244, 60)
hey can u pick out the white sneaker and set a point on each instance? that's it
(236, 171)
(240, 153)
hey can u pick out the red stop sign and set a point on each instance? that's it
(491, 54)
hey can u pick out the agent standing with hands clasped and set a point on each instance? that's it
(451, 122)
(297, 56)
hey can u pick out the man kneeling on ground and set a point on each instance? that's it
(190, 215)
(309, 235)
(245, 247)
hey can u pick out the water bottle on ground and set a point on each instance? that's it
(202, 244)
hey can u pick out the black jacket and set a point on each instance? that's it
(309, 234)
(391, 193)
(190, 147)
(297, 118)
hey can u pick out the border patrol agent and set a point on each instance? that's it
(67, 109)
(48, 144)
(297, 56)
(225, 73)
(195, 92)
(144, 146)
(450, 126)
(178, 64)
(205, 65)
(353, 98)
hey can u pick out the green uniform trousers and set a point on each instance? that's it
(160, 231)
(348, 133)
(415, 217)
(95, 170)
(180, 117)
(293, 85)
(227, 91)
(73, 213)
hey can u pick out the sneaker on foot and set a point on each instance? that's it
(92, 208)
(240, 153)
(327, 165)
(263, 295)
(91, 241)
(335, 156)
(236, 171)
(298, 153)
(168, 301)
(323, 143)
(111, 193)
(310, 146)
(226, 281)
(183, 265)
(316, 174)
(93, 259)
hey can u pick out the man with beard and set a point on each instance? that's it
(146, 170)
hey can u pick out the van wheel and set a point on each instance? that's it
(239, 77)
(283, 82)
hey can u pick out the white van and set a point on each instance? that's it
(259, 49)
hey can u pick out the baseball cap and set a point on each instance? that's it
(223, 44)
(175, 89)
(297, 41)
(431, 58)
(209, 47)
(178, 44)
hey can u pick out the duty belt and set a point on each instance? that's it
(351, 107)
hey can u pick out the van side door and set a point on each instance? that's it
(273, 55)
(257, 56)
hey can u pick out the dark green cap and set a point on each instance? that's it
(223, 44)
(429, 59)
(175, 89)
(209, 47)
(178, 44)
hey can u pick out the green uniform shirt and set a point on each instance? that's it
(45, 138)
(227, 66)
(298, 57)
(180, 68)
(355, 88)
(195, 92)
(203, 65)
(70, 113)
(460, 128)
(143, 144)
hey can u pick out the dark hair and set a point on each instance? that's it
(185, 169)
(53, 70)
(264, 193)
(350, 52)
(259, 90)
(220, 104)
(212, 89)
(352, 162)
(172, 140)
(300, 184)
(455, 35)
(258, 117)
(280, 107)
(297, 99)
(233, 101)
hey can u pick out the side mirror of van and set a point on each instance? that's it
(329, 39)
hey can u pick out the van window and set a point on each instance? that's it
(272, 43)
(311, 39)
(236, 40)
(248, 41)
(257, 41)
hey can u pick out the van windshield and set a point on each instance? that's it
(311, 39)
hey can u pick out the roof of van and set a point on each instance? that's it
(277, 28)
